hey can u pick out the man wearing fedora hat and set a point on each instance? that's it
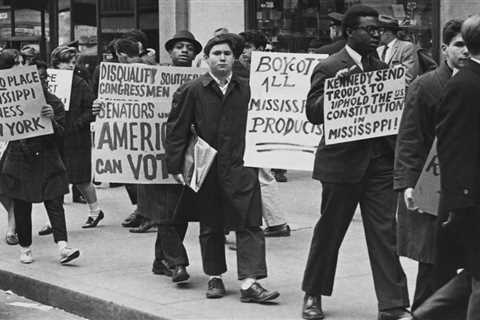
(394, 51)
(166, 204)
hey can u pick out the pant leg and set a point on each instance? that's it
(56, 215)
(339, 202)
(251, 262)
(212, 247)
(272, 210)
(474, 301)
(132, 192)
(424, 284)
(172, 249)
(23, 219)
(378, 207)
(447, 303)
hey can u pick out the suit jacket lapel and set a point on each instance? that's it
(394, 51)
(347, 61)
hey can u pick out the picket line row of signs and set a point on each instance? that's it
(129, 133)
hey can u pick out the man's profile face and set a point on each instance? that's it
(365, 37)
(182, 53)
(456, 52)
(220, 59)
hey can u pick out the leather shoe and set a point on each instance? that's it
(143, 227)
(92, 222)
(160, 267)
(394, 314)
(258, 294)
(11, 239)
(312, 308)
(180, 274)
(216, 289)
(46, 230)
(282, 230)
(132, 221)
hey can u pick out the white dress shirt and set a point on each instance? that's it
(357, 58)
(225, 86)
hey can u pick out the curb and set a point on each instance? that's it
(77, 303)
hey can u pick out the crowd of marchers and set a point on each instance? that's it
(377, 174)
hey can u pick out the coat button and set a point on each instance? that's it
(465, 191)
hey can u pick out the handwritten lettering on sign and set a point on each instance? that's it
(278, 132)
(21, 100)
(364, 106)
(60, 84)
(129, 132)
(427, 190)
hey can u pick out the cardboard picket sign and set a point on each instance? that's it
(21, 100)
(427, 190)
(60, 84)
(278, 134)
(129, 133)
(366, 105)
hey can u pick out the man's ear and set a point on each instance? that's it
(349, 32)
(443, 47)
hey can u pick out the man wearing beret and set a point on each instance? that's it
(216, 104)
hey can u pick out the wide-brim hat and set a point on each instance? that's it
(184, 35)
(335, 17)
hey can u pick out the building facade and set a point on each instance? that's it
(290, 25)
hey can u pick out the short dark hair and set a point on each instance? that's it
(137, 35)
(7, 59)
(256, 38)
(220, 39)
(127, 46)
(351, 17)
(471, 33)
(450, 30)
(62, 54)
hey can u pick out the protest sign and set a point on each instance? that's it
(60, 84)
(129, 132)
(364, 105)
(278, 133)
(21, 100)
(427, 190)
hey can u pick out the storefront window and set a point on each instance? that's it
(291, 25)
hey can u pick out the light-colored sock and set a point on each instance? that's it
(94, 209)
(213, 277)
(61, 245)
(24, 249)
(247, 283)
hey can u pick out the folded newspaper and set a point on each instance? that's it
(199, 157)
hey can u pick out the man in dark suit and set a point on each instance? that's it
(338, 40)
(416, 230)
(353, 173)
(458, 133)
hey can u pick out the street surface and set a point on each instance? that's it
(115, 265)
(13, 307)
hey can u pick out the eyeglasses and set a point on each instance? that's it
(372, 30)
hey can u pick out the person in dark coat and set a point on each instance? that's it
(458, 134)
(160, 202)
(32, 172)
(416, 231)
(217, 104)
(352, 173)
(336, 34)
(77, 146)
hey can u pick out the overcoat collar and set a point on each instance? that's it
(443, 73)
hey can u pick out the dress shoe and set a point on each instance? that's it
(312, 308)
(180, 274)
(132, 221)
(146, 225)
(92, 222)
(394, 314)
(216, 289)
(282, 230)
(46, 230)
(160, 267)
(11, 239)
(258, 294)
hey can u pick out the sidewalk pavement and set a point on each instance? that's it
(112, 279)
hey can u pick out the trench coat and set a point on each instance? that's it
(32, 169)
(77, 147)
(415, 231)
(231, 191)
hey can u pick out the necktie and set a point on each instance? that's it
(384, 53)
(366, 63)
